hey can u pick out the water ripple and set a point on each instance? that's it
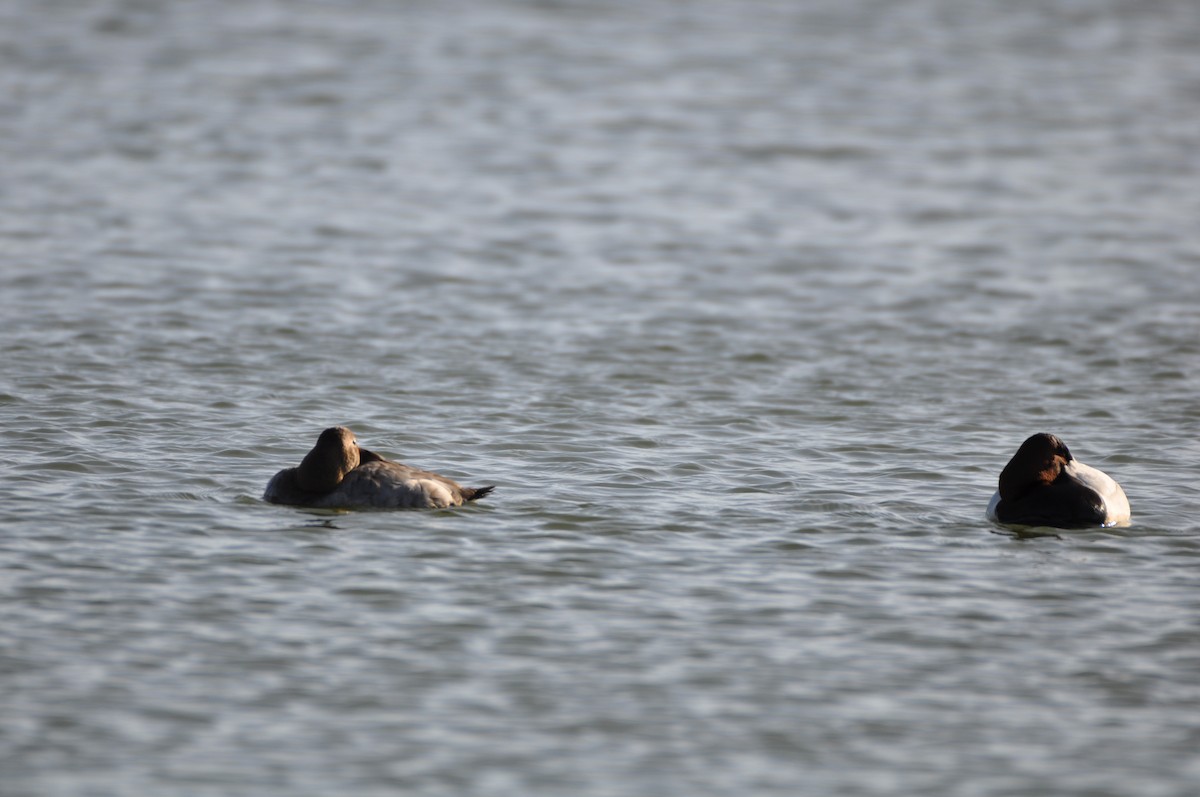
(742, 309)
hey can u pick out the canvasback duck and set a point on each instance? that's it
(337, 473)
(1043, 485)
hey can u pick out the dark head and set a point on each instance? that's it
(1038, 461)
(334, 455)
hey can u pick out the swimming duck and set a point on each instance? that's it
(1043, 485)
(338, 473)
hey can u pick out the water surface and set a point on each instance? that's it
(742, 305)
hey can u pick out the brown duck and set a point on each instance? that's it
(337, 473)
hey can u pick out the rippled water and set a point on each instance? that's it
(743, 305)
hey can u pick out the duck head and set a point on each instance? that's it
(1038, 461)
(335, 454)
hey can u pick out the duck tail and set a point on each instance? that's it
(475, 493)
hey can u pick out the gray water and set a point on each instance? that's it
(742, 305)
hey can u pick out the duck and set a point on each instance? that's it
(1043, 485)
(339, 474)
